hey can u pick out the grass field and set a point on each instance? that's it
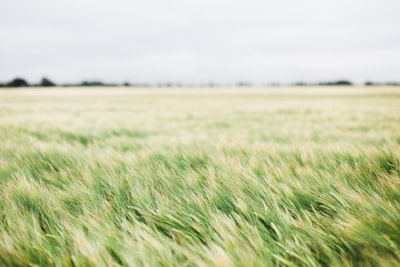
(200, 177)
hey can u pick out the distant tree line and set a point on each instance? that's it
(346, 83)
(20, 82)
(369, 83)
(45, 82)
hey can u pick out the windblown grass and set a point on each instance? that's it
(252, 177)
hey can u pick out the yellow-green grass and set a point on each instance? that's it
(200, 177)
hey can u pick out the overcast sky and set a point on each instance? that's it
(192, 41)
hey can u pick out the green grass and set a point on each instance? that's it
(200, 177)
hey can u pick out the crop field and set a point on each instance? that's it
(200, 177)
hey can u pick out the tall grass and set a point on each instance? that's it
(297, 177)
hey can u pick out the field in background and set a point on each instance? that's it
(200, 177)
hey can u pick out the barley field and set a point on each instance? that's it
(200, 177)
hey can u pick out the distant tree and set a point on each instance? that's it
(17, 82)
(369, 83)
(343, 82)
(46, 83)
(126, 84)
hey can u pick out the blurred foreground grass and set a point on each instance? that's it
(200, 177)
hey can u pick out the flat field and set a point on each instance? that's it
(200, 177)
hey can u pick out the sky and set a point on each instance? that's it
(200, 41)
